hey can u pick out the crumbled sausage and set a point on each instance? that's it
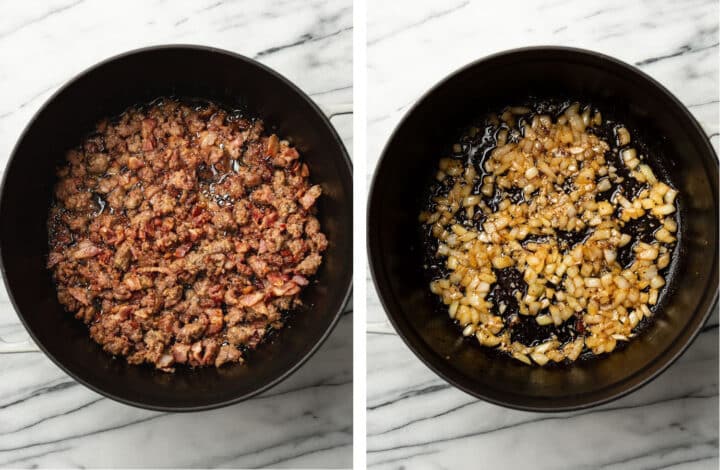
(123, 256)
(193, 330)
(240, 334)
(98, 163)
(309, 265)
(179, 233)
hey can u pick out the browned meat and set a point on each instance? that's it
(251, 299)
(237, 335)
(179, 233)
(80, 294)
(216, 321)
(234, 316)
(54, 258)
(86, 249)
(193, 330)
(180, 352)
(308, 199)
(258, 265)
(309, 265)
(227, 354)
(135, 163)
(98, 163)
(165, 362)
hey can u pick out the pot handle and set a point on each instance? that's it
(336, 109)
(27, 345)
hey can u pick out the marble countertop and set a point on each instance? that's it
(46, 418)
(415, 419)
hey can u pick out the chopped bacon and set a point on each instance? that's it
(216, 321)
(269, 219)
(272, 145)
(289, 288)
(211, 350)
(147, 126)
(182, 250)
(86, 249)
(308, 199)
(79, 294)
(154, 269)
(257, 215)
(135, 163)
(251, 299)
(54, 258)
(165, 361)
(180, 352)
(133, 282)
(287, 157)
(196, 354)
(277, 279)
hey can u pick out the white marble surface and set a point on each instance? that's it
(48, 420)
(416, 420)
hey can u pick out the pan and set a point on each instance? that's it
(675, 140)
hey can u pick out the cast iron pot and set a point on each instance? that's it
(106, 90)
(425, 134)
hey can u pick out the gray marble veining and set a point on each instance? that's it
(415, 419)
(47, 419)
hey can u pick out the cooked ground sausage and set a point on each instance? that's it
(179, 234)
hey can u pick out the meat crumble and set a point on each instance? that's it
(180, 234)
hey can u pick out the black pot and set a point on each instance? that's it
(105, 90)
(425, 134)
